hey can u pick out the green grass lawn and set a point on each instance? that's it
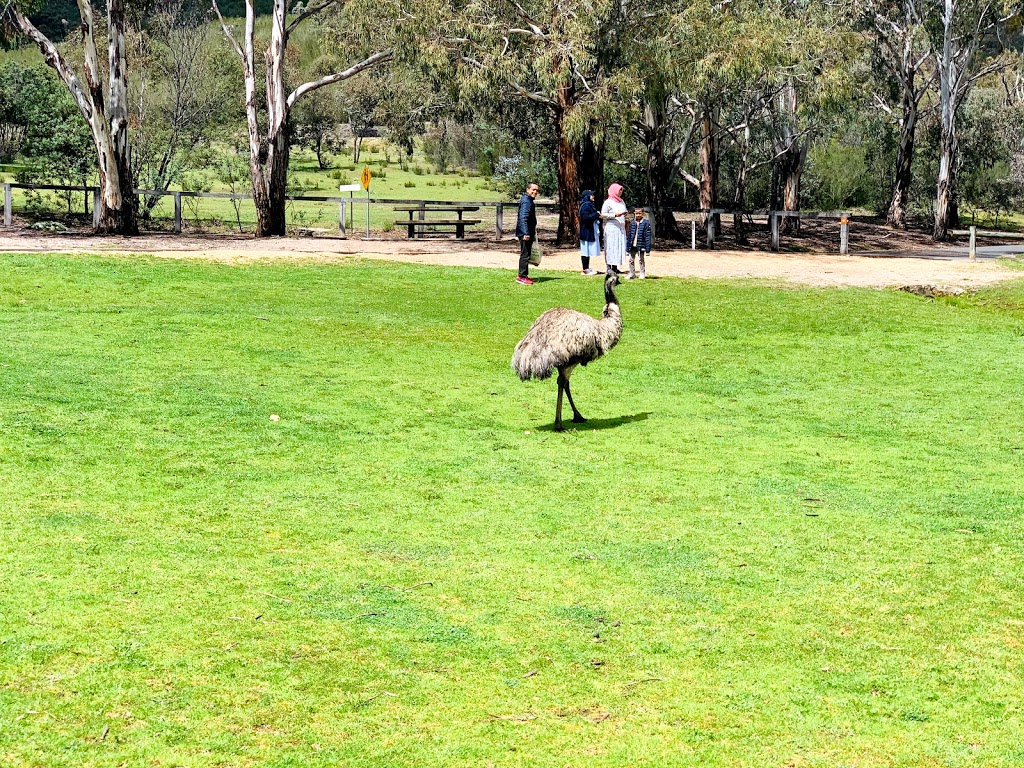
(791, 534)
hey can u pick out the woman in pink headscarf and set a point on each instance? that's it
(613, 214)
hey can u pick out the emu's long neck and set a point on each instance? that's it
(609, 294)
(611, 319)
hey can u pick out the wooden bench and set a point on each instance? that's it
(418, 226)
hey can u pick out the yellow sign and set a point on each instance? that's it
(366, 178)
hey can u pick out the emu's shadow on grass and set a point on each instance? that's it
(545, 279)
(594, 425)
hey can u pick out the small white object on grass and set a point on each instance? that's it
(274, 417)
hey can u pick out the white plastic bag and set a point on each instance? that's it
(536, 253)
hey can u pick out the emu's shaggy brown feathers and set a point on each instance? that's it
(564, 338)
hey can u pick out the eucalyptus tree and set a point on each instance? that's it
(812, 80)
(708, 70)
(269, 110)
(966, 37)
(902, 51)
(562, 58)
(101, 96)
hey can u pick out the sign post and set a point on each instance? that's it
(350, 188)
(366, 178)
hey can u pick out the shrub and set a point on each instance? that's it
(409, 184)
(387, 226)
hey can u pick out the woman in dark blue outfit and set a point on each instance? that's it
(590, 240)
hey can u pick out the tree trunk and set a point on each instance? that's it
(357, 146)
(591, 164)
(948, 141)
(118, 212)
(271, 221)
(897, 215)
(568, 189)
(709, 162)
(945, 202)
(739, 200)
(660, 171)
(791, 169)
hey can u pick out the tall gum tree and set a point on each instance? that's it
(698, 62)
(102, 98)
(812, 79)
(560, 58)
(269, 134)
(903, 54)
(962, 31)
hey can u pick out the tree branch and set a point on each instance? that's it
(337, 77)
(312, 10)
(54, 58)
(227, 31)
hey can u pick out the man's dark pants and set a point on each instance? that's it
(525, 247)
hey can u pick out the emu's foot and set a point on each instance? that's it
(578, 418)
(559, 427)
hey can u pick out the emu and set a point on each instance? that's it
(561, 339)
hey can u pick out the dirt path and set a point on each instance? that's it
(806, 269)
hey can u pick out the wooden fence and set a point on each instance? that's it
(711, 229)
(343, 203)
(774, 224)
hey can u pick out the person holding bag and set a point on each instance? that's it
(526, 232)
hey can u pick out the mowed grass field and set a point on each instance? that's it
(791, 534)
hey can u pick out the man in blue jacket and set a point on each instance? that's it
(526, 231)
(638, 240)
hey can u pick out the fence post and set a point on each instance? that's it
(972, 252)
(773, 217)
(8, 213)
(177, 213)
(693, 235)
(844, 235)
(96, 208)
(712, 234)
(341, 217)
(499, 221)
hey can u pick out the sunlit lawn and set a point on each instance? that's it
(790, 535)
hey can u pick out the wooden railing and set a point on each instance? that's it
(178, 195)
(774, 224)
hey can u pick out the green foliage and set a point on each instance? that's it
(513, 174)
(837, 177)
(796, 561)
(57, 147)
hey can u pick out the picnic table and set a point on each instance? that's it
(419, 225)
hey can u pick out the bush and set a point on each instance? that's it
(409, 184)
(837, 177)
(512, 174)
(418, 170)
(387, 226)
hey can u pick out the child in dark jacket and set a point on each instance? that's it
(638, 240)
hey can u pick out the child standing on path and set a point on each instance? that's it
(613, 214)
(639, 239)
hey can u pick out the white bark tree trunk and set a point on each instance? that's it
(105, 113)
(270, 154)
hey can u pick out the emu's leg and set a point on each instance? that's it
(576, 415)
(558, 408)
